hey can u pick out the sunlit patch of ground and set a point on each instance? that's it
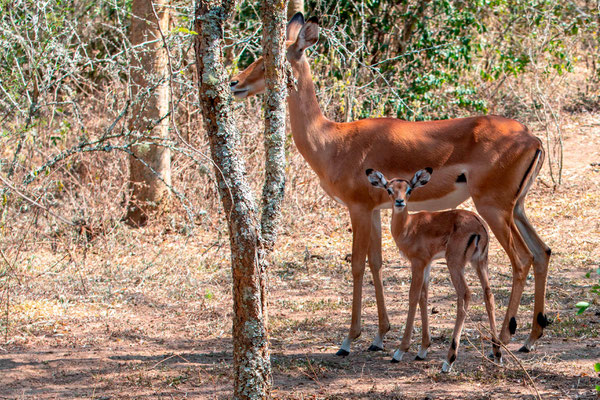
(147, 313)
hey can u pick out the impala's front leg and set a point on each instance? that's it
(361, 232)
(375, 264)
(414, 296)
(423, 301)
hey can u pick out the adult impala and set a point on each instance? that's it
(492, 159)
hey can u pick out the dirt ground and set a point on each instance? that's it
(147, 313)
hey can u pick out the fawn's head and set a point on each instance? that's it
(399, 189)
(300, 36)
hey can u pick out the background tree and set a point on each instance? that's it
(249, 241)
(150, 163)
(295, 6)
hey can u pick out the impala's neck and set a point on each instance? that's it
(400, 223)
(310, 129)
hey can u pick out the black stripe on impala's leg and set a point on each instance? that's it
(512, 326)
(543, 320)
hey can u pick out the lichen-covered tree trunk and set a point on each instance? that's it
(274, 26)
(252, 366)
(150, 97)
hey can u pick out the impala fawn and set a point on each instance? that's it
(458, 235)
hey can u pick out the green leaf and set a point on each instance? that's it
(582, 305)
(185, 30)
(597, 367)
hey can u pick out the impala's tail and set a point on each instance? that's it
(472, 245)
(532, 171)
(477, 245)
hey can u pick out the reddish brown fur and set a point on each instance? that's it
(493, 153)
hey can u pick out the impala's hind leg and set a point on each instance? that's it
(541, 257)
(505, 230)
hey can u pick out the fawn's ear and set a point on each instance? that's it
(308, 35)
(376, 178)
(294, 26)
(421, 178)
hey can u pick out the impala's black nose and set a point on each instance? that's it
(400, 203)
(233, 83)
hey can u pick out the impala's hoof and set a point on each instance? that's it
(525, 349)
(398, 355)
(342, 353)
(394, 361)
(497, 358)
(446, 367)
(421, 354)
(375, 348)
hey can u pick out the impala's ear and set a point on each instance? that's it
(308, 35)
(421, 178)
(376, 178)
(294, 26)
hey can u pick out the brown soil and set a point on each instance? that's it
(147, 313)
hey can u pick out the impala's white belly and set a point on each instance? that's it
(449, 201)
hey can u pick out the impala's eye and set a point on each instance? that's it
(408, 191)
(390, 191)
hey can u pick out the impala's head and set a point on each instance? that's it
(399, 189)
(300, 36)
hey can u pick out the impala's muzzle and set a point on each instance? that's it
(238, 93)
(400, 203)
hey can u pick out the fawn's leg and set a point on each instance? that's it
(423, 302)
(463, 296)
(481, 266)
(416, 285)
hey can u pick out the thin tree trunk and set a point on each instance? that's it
(274, 52)
(294, 6)
(410, 22)
(251, 360)
(149, 117)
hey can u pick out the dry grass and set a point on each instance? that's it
(146, 313)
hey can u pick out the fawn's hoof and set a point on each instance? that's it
(525, 349)
(421, 354)
(398, 355)
(446, 367)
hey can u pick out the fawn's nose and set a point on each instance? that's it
(400, 203)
